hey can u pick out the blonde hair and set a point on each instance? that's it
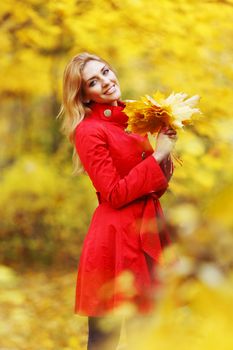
(73, 108)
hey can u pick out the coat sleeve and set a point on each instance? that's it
(92, 148)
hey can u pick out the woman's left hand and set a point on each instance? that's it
(169, 131)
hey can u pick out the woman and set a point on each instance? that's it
(127, 232)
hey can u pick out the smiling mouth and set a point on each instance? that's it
(110, 90)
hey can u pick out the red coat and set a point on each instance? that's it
(125, 233)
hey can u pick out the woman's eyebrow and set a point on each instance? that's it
(95, 75)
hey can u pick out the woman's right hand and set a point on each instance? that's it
(166, 140)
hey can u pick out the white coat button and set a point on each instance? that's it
(143, 155)
(107, 112)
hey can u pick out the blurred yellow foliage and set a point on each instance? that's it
(167, 45)
(37, 311)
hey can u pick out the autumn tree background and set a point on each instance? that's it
(45, 212)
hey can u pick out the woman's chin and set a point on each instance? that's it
(114, 97)
(109, 99)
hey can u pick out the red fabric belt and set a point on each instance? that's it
(150, 194)
(153, 233)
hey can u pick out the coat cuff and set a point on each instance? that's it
(160, 179)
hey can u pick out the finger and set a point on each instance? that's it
(164, 128)
(171, 132)
(173, 136)
(169, 129)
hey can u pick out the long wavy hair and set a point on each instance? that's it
(74, 109)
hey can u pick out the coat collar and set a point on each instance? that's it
(107, 112)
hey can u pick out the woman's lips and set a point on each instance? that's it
(110, 90)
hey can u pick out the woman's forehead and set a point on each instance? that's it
(91, 69)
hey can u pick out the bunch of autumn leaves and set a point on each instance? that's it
(150, 114)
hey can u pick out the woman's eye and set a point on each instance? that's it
(92, 83)
(106, 71)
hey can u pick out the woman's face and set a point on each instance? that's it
(100, 84)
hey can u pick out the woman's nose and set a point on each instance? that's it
(105, 81)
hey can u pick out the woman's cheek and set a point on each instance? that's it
(94, 89)
(95, 93)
